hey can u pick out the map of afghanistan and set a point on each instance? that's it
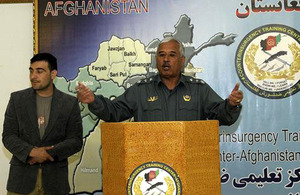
(121, 62)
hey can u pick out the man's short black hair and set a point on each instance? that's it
(52, 61)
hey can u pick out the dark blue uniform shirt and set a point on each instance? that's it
(151, 100)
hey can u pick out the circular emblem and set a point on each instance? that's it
(154, 178)
(271, 42)
(268, 61)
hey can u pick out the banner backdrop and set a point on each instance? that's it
(110, 44)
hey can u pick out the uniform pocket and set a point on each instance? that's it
(188, 110)
(152, 110)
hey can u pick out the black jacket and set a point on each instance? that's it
(21, 134)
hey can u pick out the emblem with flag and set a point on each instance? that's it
(270, 42)
(151, 175)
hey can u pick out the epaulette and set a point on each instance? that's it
(195, 80)
(146, 80)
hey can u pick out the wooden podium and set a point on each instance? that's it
(189, 150)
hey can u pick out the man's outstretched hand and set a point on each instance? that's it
(236, 96)
(84, 94)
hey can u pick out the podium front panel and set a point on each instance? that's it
(191, 149)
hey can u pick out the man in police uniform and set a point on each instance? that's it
(168, 96)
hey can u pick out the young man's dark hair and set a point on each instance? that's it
(52, 61)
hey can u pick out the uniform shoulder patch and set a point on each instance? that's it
(199, 81)
(146, 80)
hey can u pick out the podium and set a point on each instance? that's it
(167, 157)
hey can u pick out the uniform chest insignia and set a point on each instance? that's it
(187, 98)
(152, 99)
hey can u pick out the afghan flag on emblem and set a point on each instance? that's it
(270, 42)
(151, 175)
